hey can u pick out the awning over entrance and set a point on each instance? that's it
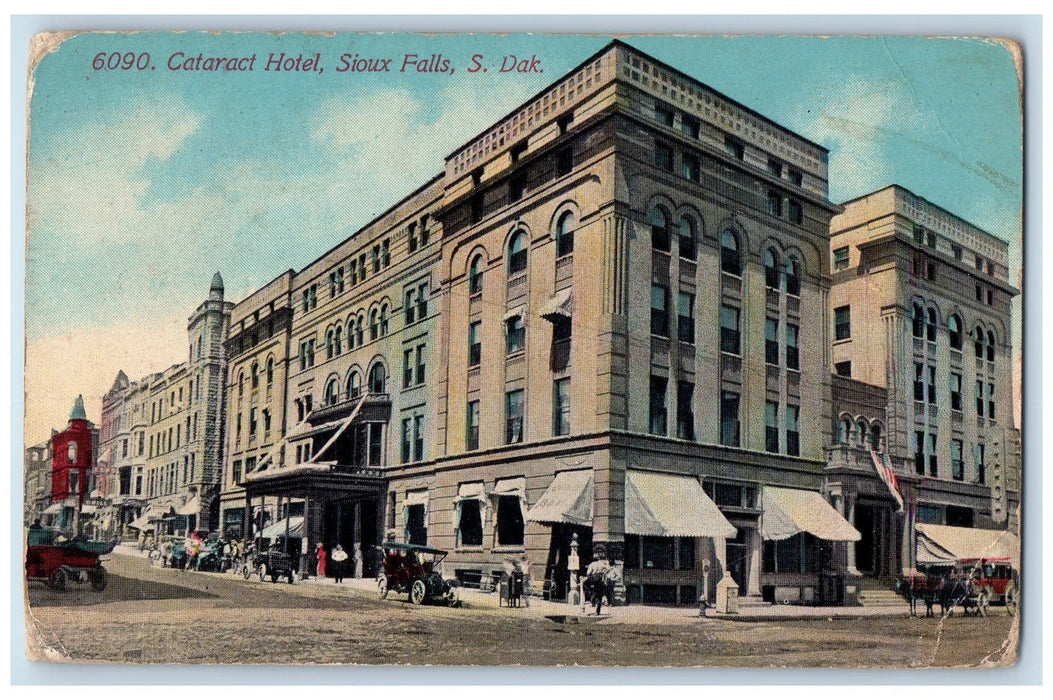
(945, 544)
(191, 507)
(567, 500)
(559, 306)
(295, 525)
(788, 512)
(671, 505)
(53, 509)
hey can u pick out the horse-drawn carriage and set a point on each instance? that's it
(974, 585)
(411, 568)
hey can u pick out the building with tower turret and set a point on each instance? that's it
(162, 435)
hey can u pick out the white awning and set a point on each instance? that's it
(788, 512)
(295, 525)
(417, 498)
(568, 499)
(561, 305)
(87, 509)
(969, 543)
(929, 552)
(104, 458)
(141, 523)
(191, 507)
(515, 486)
(53, 509)
(474, 491)
(513, 313)
(307, 430)
(671, 505)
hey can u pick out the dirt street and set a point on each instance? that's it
(152, 615)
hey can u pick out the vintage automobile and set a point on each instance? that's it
(272, 563)
(58, 561)
(411, 568)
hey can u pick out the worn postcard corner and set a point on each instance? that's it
(557, 350)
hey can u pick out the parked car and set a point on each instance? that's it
(411, 569)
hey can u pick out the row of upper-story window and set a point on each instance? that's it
(517, 252)
(926, 454)
(925, 323)
(859, 431)
(925, 383)
(514, 412)
(165, 480)
(927, 238)
(515, 336)
(254, 416)
(336, 390)
(254, 375)
(162, 441)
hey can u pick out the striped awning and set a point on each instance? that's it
(568, 499)
(788, 512)
(278, 529)
(955, 543)
(671, 505)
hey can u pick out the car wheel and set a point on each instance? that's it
(262, 572)
(98, 579)
(418, 592)
(1012, 600)
(58, 579)
(453, 598)
(382, 586)
(246, 571)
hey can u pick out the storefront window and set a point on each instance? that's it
(509, 521)
(470, 529)
(657, 552)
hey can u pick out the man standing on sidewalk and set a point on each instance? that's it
(596, 575)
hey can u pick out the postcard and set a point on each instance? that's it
(555, 350)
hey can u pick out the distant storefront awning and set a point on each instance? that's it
(87, 509)
(142, 524)
(191, 507)
(788, 512)
(560, 306)
(568, 499)
(671, 505)
(278, 529)
(944, 543)
(53, 509)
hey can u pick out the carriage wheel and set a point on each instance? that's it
(1012, 600)
(418, 592)
(246, 571)
(98, 579)
(262, 572)
(382, 586)
(58, 579)
(983, 601)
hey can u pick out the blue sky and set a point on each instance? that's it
(143, 184)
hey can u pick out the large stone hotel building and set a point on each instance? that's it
(609, 323)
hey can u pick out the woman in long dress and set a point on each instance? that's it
(321, 560)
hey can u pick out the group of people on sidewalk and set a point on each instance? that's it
(339, 557)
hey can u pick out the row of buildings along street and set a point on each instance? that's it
(625, 317)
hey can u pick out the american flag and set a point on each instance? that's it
(884, 470)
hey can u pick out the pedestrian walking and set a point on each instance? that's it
(321, 560)
(339, 557)
(596, 576)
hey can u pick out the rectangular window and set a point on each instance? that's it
(515, 335)
(796, 176)
(416, 525)
(793, 434)
(407, 368)
(980, 399)
(729, 330)
(734, 148)
(957, 463)
(771, 341)
(659, 310)
(795, 212)
(376, 444)
(686, 319)
(771, 426)
(689, 126)
(932, 385)
(471, 436)
(729, 418)
(418, 438)
(474, 343)
(561, 406)
(792, 352)
(517, 188)
(774, 203)
(932, 454)
(422, 300)
(510, 523)
(664, 114)
(979, 464)
(979, 292)
(841, 258)
(470, 523)
(663, 156)
(919, 452)
(774, 168)
(407, 426)
(919, 381)
(685, 414)
(420, 364)
(842, 323)
(690, 167)
(843, 369)
(409, 306)
(564, 161)
(956, 392)
(514, 417)
(657, 404)
(990, 401)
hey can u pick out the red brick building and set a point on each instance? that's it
(72, 458)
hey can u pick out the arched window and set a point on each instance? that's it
(659, 229)
(360, 329)
(517, 253)
(954, 331)
(329, 344)
(337, 342)
(565, 234)
(383, 320)
(990, 346)
(844, 429)
(978, 342)
(374, 326)
(875, 437)
(687, 237)
(793, 276)
(771, 269)
(730, 259)
(930, 328)
(332, 392)
(354, 384)
(475, 276)
(917, 316)
(255, 375)
(377, 378)
(270, 371)
(862, 431)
